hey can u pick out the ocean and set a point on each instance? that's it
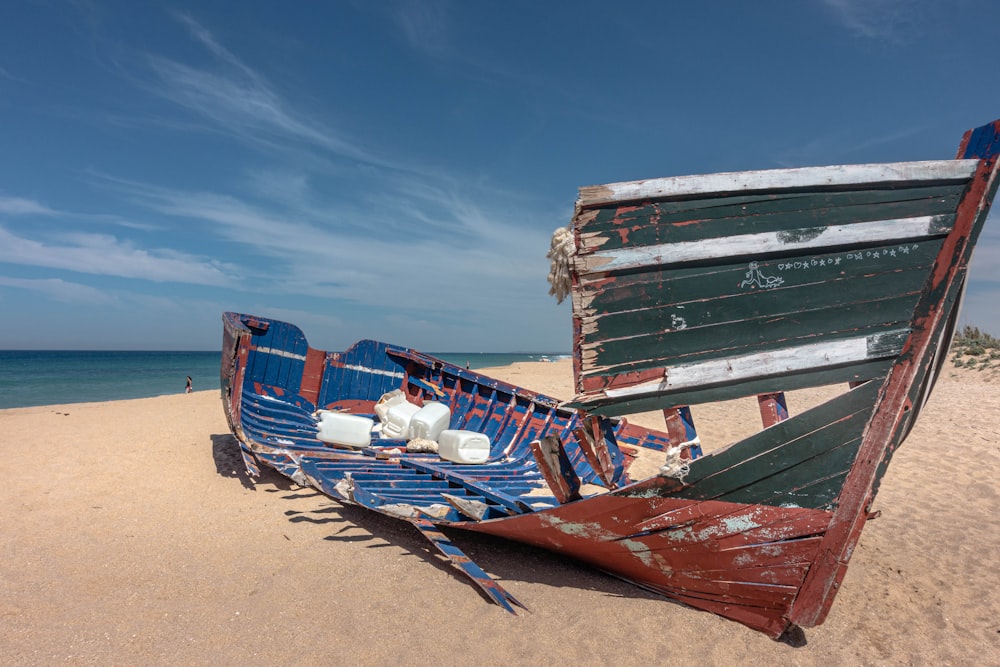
(29, 378)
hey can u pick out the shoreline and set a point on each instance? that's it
(132, 535)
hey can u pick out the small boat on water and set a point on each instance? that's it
(685, 290)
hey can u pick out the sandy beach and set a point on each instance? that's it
(132, 536)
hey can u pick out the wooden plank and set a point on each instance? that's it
(484, 581)
(770, 324)
(827, 353)
(815, 483)
(770, 179)
(782, 475)
(663, 221)
(814, 239)
(312, 375)
(981, 142)
(597, 405)
(680, 425)
(601, 452)
(646, 314)
(789, 438)
(679, 286)
(734, 527)
(773, 408)
(559, 475)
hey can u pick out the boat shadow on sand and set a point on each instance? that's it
(506, 560)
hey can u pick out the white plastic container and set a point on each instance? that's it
(344, 429)
(388, 399)
(429, 421)
(395, 412)
(463, 446)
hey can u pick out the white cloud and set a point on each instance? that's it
(21, 206)
(240, 102)
(60, 290)
(891, 20)
(101, 254)
(334, 257)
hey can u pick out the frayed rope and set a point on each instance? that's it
(561, 256)
(675, 466)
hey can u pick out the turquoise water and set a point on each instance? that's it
(30, 378)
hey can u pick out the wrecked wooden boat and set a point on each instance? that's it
(685, 290)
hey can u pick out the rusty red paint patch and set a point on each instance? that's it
(754, 577)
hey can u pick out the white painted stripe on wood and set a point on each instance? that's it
(281, 353)
(374, 371)
(809, 357)
(772, 179)
(762, 243)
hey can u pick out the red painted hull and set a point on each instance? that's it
(745, 562)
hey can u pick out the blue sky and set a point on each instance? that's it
(394, 170)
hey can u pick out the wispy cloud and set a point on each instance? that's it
(5, 74)
(15, 207)
(21, 206)
(840, 147)
(343, 225)
(896, 21)
(60, 290)
(323, 253)
(106, 255)
(423, 23)
(236, 100)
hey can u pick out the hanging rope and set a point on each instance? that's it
(675, 466)
(561, 255)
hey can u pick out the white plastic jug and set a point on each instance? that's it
(387, 400)
(344, 429)
(429, 421)
(463, 446)
(397, 420)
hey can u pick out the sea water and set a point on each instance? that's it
(49, 377)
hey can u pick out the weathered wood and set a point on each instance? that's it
(808, 239)
(773, 408)
(680, 425)
(488, 585)
(678, 286)
(730, 311)
(660, 221)
(776, 179)
(556, 468)
(636, 332)
(835, 351)
(597, 446)
(758, 333)
(695, 395)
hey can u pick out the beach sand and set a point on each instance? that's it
(132, 535)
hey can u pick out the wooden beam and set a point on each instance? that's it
(555, 466)
(747, 181)
(742, 245)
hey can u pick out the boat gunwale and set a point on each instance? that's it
(831, 176)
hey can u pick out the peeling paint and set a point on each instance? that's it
(739, 524)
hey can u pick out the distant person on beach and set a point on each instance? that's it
(187, 389)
